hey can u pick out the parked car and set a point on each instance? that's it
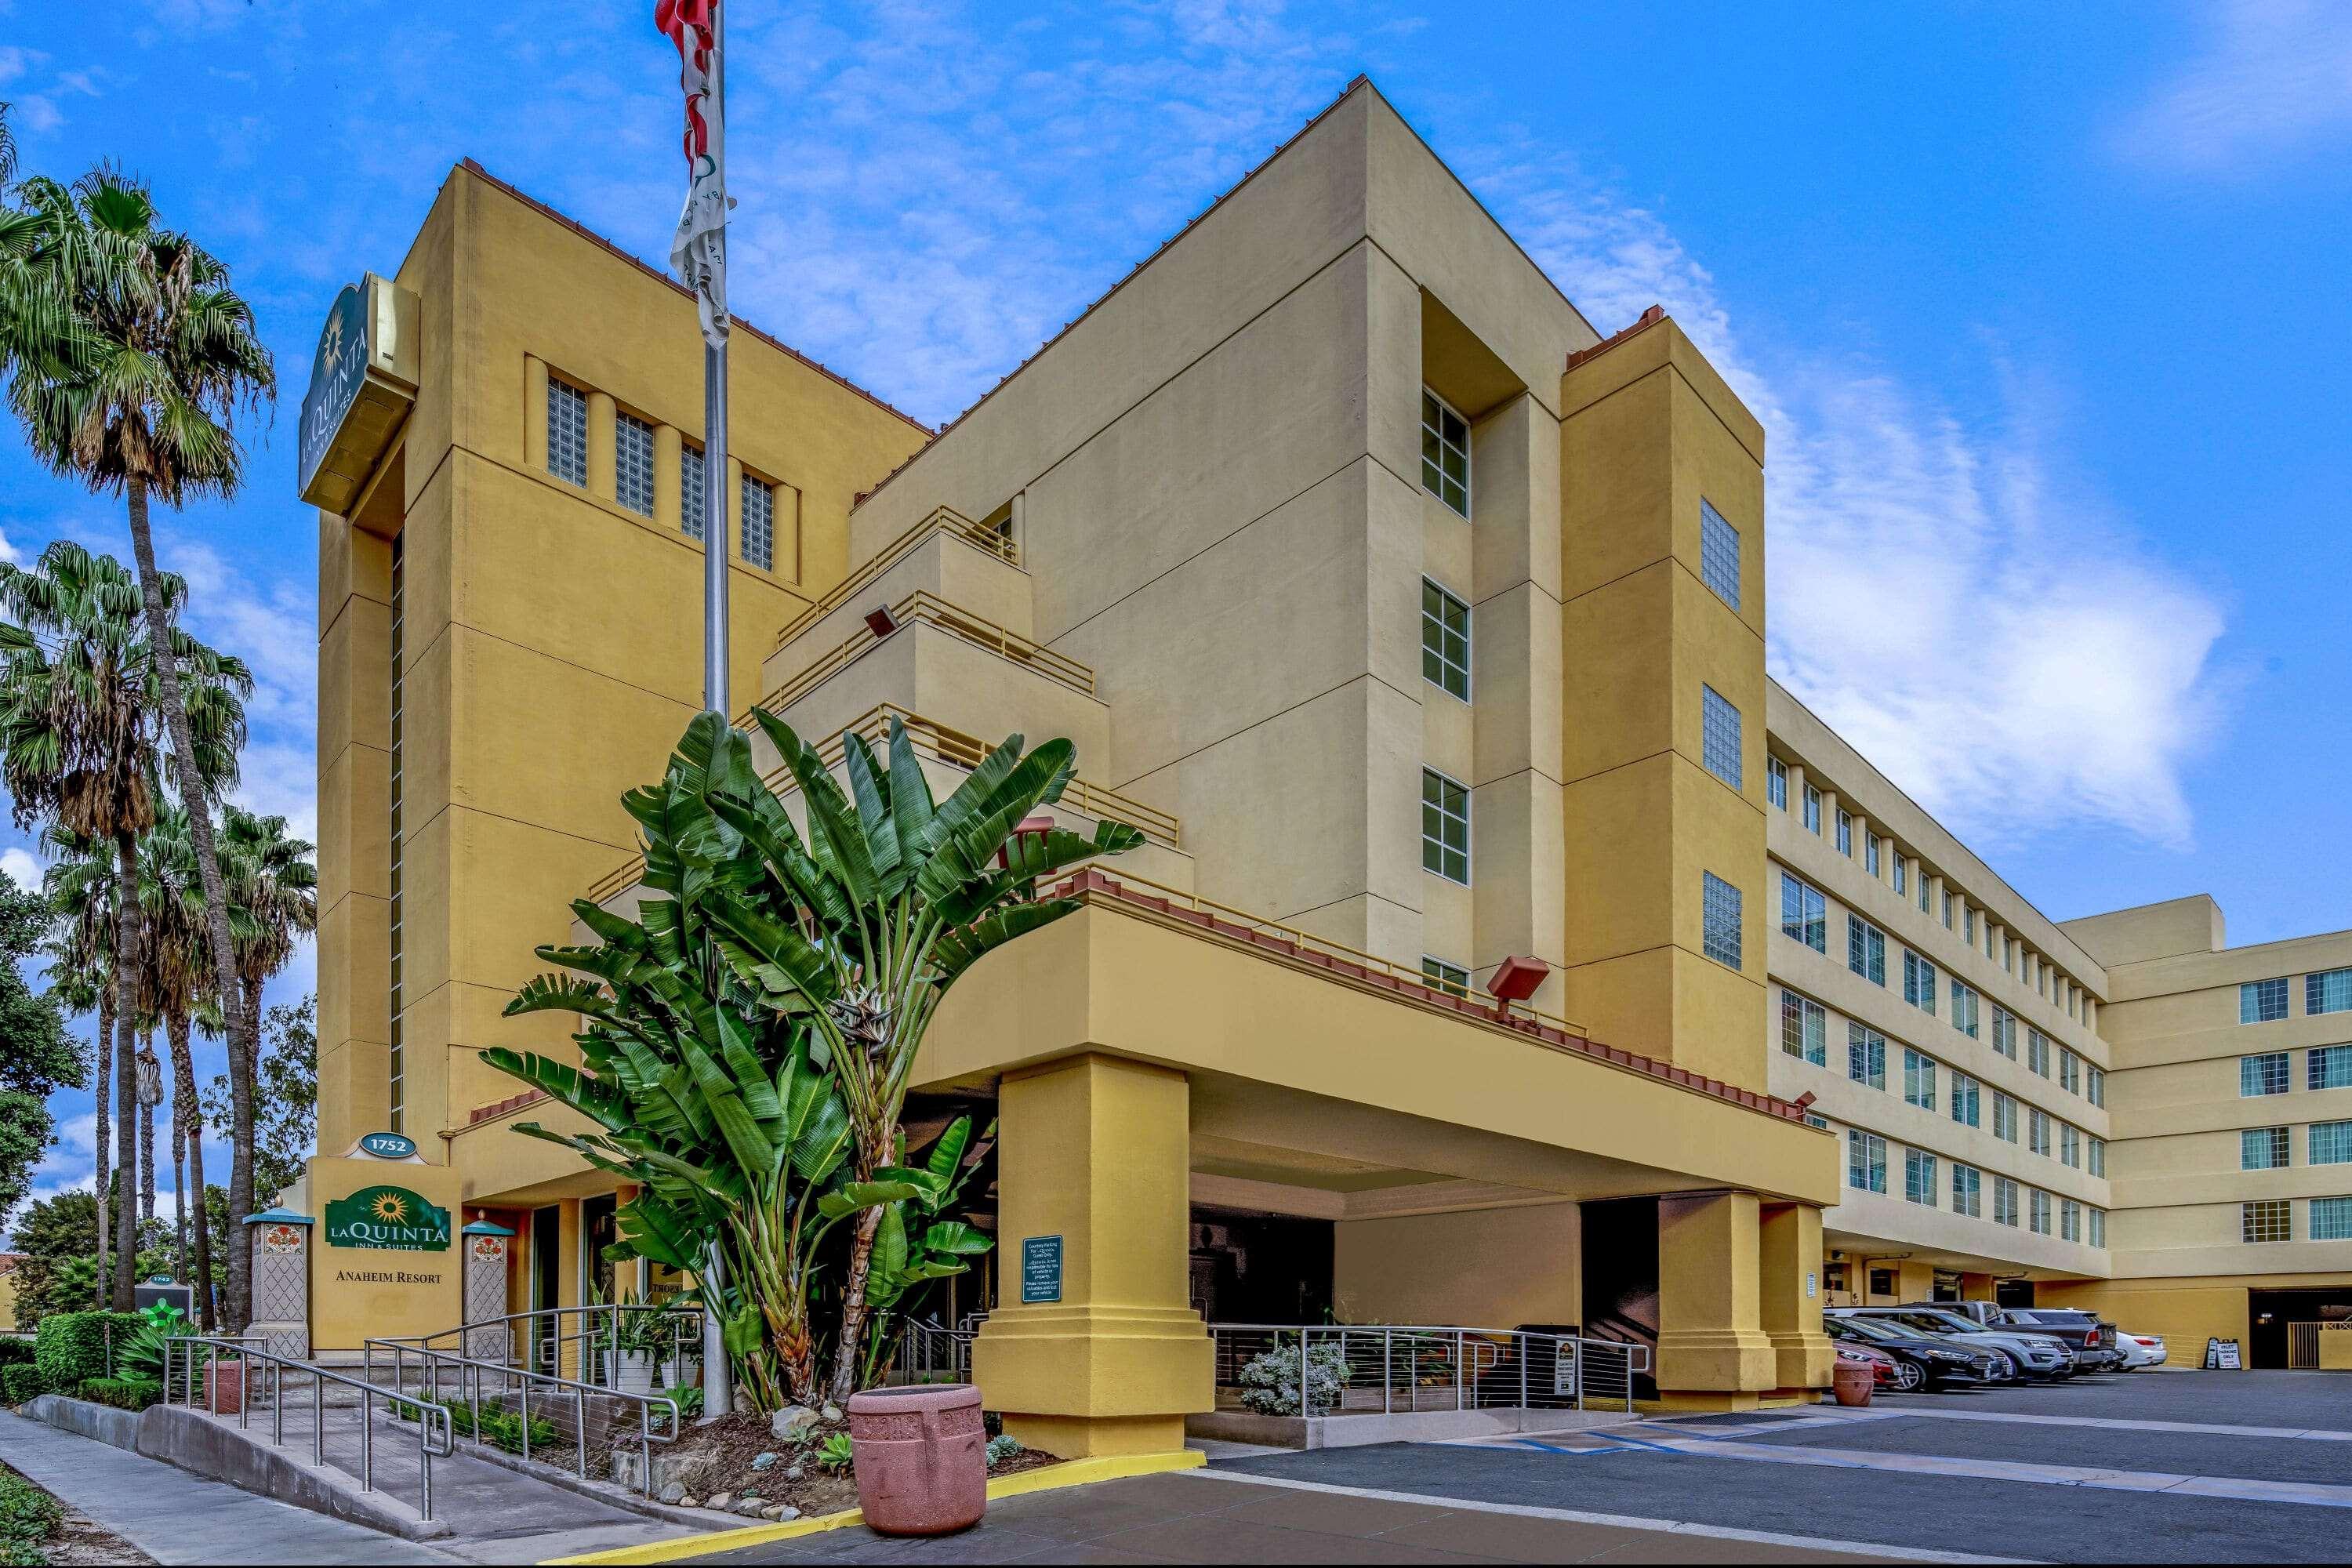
(1882, 1367)
(2092, 1340)
(2141, 1350)
(2035, 1355)
(1921, 1361)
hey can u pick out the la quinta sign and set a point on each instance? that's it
(387, 1219)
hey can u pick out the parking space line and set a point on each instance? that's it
(2305, 1434)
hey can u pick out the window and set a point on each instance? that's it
(1866, 949)
(1947, 911)
(2098, 1228)
(1804, 913)
(2096, 1082)
(2008, 955)
(2265, 1074)
(2004, 1201)
(1968, 927)
(1444, 826)
(2331, 1219)
(1445, 453)
(1967, 1191)
(1865, 1056)
(1450, 978)
(2037, 1132)
(1719, 735)
(2262, 1149)
(2098, 1156)
(1776, 781)
(2004, 1033)
(1918, 982)
(1804, 1028)
(2328, 1066)
(2037, 1052)
(758, 523)
(1870, 853)
(633, 463)
(1918, 1079)
(1866, 1162)
(2328, 1143)
(2070, 1145)
(1718, 554)
(567, 432)
(1964, 1009)
(691, 490)
(2262, 1001)
(2069, 1072)
(1813, 809)
(1918, 1177)
(1845, 833)
(1718, 920)
(1965, 1091)
(1900, 885)
(2330, 991)
(2004, 1117)
(2037, 1211)
(2070, 1220)
(1445, 641)
(2268, 1219)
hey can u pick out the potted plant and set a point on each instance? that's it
(642, 1340)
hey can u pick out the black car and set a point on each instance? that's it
(1921, 1361)
(2093, 1342)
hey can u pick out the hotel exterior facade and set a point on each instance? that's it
(1420, 630)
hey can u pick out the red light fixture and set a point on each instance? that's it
(1516, 977)
(880, 621)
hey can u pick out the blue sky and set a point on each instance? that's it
(2036, 302)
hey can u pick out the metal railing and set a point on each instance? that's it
(931, 1352)
(435, 1432)
(943, 520)
(1342, 1369)
(927, 608)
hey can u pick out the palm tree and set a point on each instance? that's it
(79, 885)
(179, 971)
(168, 355)
(274, 889)
(79, 747)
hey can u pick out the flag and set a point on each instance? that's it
(698, 251)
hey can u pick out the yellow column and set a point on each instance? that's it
(1713, 1353)
(1104, 1355)
(1978, 1288)
(1790, 1265)
(602, 434)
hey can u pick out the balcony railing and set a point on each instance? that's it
(922, 607)
(945, 519)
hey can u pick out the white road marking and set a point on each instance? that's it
(2306, 1434)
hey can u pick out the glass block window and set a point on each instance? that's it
(1870, 853)
(2263, 1074)
(567, 432)
(1865, 1161)
(1804, 1028)
(1918, 982)
(1444, 826)
(2267, 1219)
(1967, 1191)
(2037, 1132)
(1719, 910)
(1804, 913)
(2004, 1033)
(1445, 641)
(2004, 1201)
(1865, 1056)
(1450, 978)
(2331, 1219)
(2037, 1211)
(1918, 1079)
(1965, 1093)
(1719, 735)
(691, 492)
(2070, 1220)
(1718, 554)
(2037, 1052)
(1813, 810)
(1965, 1008)
(2262, 1149)
(2330, 991)
(2070, 1145)
(2328, 1066)
(2262, 1001)
(1776, 781)
(1918, 1177)
(1845, 833)
(2094, 1084)
(1866, 949)
(2328, 1143)
(2098, 1156)
(1445, 453)
(758, 523)
(633, 463)
(2098, 1228)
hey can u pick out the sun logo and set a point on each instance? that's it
(390, 1207)
(333, 349)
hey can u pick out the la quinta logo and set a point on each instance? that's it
(388, 1219)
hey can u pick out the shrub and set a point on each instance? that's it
(72, 1346)
(1270, 1380)
(1002, 1447)
(16, 1350)
(122, 1392)
(689, 1399)
(501, 1428)
(142, 1352)
(22, 1382)
(28, 1517)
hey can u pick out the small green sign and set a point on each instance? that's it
(1041, 1268)
(388, 1219)
(388, 1145)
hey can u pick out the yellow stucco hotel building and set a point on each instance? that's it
(1421, 627)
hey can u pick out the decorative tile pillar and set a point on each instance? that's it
(485, 1290)
(280, 1241)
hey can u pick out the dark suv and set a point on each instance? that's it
(1921, 1361)
(2094, 1341)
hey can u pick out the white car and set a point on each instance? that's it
(2140, 1349)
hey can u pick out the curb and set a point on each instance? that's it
(1070, 1473)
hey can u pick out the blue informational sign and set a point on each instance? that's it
(1041, 1268)
(388, 1145)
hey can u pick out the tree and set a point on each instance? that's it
(49, 1234)
(179, 988)
(37, 1055)
(284, 1097)
(80, 887)
(145, 407)
(79, 746)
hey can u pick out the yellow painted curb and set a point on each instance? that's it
(1070, 1473)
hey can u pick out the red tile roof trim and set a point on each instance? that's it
(1649, 318)
(1096, 884)
(498, 1108)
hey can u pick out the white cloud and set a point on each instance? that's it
(21, 867)
(2275, 75)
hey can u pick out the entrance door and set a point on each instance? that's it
(546, 1259)
(2014, 1292)
(1620, 1277)
(2268, 1313)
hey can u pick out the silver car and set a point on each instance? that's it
(2037, 1356)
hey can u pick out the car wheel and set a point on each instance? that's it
(1909, 1376)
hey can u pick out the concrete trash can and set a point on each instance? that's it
(1851, 1382)
(920, 1457)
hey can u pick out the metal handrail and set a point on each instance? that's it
(1470, 1357)
(927, 608)
(943, 520)
(240, 1346)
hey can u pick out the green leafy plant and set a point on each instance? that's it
(72, 1346)
(1270, 1379)
(23, 1381)
(834, 1453)
(122, 1392)
(146, 1350)
(29, 1517)
(914, 1245)
(689, 1401)
(1002, 1447)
